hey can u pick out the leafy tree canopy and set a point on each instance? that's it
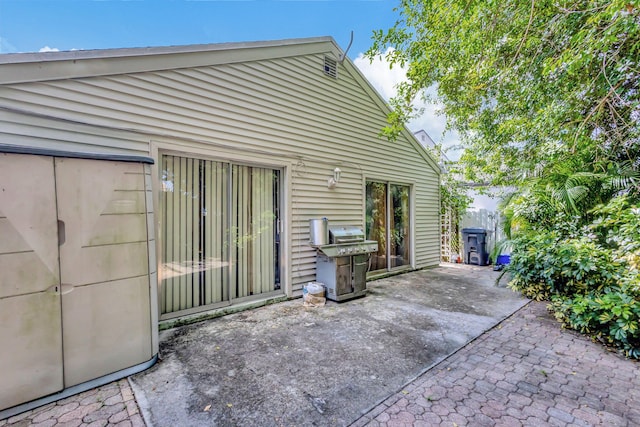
(527, 84)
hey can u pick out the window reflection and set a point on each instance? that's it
(388, 222)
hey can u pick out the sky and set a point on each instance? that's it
(51, 25)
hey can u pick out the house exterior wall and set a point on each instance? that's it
(270, 106)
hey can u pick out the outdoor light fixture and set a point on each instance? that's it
(335, 179)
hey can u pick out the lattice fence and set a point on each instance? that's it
(450, 238)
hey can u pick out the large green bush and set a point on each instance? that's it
(618, 228)
(545, 264)
(611, 317)
(590, 273)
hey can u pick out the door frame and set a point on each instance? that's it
(412, 237)
(216, 153)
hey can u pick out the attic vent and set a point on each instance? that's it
(330, 67)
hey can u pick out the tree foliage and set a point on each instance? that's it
(527, 84)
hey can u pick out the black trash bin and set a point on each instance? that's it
(475, 246)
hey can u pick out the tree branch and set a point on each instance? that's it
(524, 37)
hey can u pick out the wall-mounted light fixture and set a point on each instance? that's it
(335, 179)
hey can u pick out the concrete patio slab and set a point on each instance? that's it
(287, 364)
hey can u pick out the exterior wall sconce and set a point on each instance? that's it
(335, 179)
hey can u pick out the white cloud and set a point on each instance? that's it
(384, 79)
(49, 49)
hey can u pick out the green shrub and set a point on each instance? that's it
(545, 264)
(617, 227)
(536, 291)
(612, 317)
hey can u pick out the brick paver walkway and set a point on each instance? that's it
(110, 405)
(527, 371)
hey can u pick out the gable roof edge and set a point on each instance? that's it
(19, 67)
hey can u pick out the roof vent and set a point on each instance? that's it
(330, 67)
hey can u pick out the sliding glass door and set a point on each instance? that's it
(219, 236)
(388, 222)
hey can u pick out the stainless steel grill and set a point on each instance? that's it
(342, 264)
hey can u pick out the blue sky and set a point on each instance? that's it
(31, 25)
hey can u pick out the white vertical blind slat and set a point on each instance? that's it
(197, 221)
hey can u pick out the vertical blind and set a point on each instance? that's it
(218, 232)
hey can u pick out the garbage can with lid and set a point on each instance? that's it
(475, 246)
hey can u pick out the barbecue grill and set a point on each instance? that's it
(343, 263)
